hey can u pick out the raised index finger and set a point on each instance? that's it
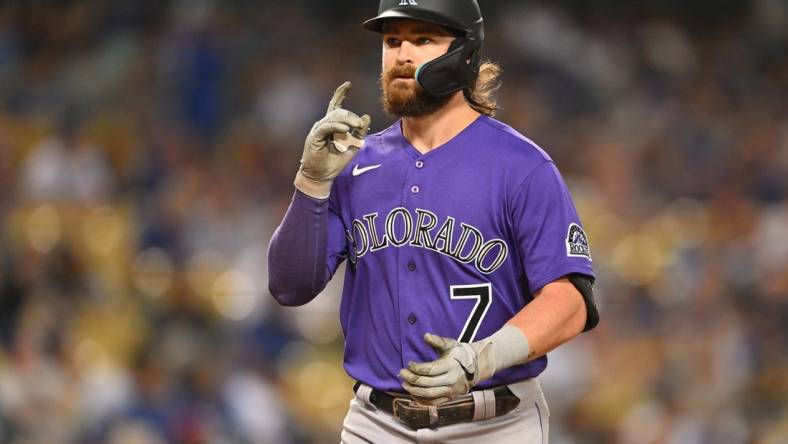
(339, 96)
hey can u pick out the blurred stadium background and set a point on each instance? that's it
(147, 150)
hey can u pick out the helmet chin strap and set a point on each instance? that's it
(467, 93)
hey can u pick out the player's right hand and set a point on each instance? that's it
(459, 367)
(321, 161)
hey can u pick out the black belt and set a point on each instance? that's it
(418, 416)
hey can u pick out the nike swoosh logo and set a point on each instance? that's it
(358, 171)
(468, 375)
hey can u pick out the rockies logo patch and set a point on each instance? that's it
(577, 242)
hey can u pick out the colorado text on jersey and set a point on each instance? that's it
(399, 230)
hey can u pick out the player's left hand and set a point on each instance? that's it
(459, 367)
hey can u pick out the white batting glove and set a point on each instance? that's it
(322, 160)
(462, 366)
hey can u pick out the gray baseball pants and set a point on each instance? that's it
(526, 424)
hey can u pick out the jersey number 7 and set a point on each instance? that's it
(483, 295)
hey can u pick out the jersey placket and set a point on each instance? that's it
(409, 267)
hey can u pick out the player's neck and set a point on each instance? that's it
(431, 131)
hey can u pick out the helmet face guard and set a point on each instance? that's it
(458, 68)
(451, 72)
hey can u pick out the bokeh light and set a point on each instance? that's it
(153, 272)
(103, 231)
(234, 294)
(43, 228)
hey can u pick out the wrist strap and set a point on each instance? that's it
(509, 347)
(312, 188)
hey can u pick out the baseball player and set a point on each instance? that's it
(467, 262)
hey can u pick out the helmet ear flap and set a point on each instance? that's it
(452, 71)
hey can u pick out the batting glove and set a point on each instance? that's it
(461, 366)
(323, 159)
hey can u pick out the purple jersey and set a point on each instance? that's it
(452, 242)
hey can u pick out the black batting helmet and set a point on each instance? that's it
(451, 72)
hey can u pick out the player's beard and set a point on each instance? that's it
(407, 99)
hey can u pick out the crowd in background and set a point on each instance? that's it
(147, 151)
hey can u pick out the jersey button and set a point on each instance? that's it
(412, 266)
(412, 319)
(415, 189)
(419, 164)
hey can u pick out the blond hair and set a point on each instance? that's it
(481, 93)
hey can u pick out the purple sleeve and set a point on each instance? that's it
(304, 251)
(549, 233)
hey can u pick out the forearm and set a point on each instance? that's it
(556, 315)
(297, 269)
